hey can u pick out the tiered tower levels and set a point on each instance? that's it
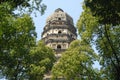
(59, 31)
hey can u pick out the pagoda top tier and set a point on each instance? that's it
(59, 15)
(59, 9)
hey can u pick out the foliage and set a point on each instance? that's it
(104, 36)
(76, 63)
(42, 59)
(108, 45)
(87, 25)
(16, 38)
(23, 6)
(107, 11)
(20, 57)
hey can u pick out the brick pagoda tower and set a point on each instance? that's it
(58, 33)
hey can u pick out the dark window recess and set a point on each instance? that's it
(59, 18)
(59, 32)
(58, 46)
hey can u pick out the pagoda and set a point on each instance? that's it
(59, 31)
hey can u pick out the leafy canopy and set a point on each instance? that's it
(97, 27)
(20, 57)
(107, 11)
(28, 6)
(76, 63)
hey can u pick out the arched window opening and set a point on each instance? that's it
(59, 18)
(59, 32)
(58, 46)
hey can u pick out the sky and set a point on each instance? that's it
(72, 7)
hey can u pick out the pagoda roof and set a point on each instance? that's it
(59, 9)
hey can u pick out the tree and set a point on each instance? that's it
(23, 6)
(42, 59)
(17, 41)
(76, 63)
(16, 38)
(20, 56)
(107, 10)
(104, 36)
